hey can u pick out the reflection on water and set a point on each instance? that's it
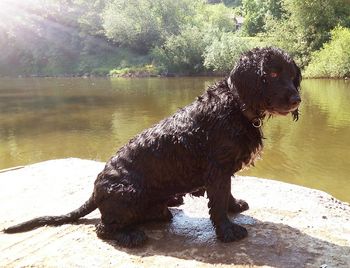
(44, 119)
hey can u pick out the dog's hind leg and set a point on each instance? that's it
(125, 237)
(118, 223)
(121, 210)
(236, 205)
(159, 212)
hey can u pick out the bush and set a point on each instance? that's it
(222, 54)
(183, 53)
(305, 25)
(142, 24)
(333, 60)
(101, 71)
(215, 16)
(100, 64)
(286, 34)
(138, 71)
(132, 24)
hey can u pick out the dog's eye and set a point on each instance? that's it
(273, 74)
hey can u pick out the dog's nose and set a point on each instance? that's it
(294, 100)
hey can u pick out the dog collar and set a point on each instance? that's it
(254, 119)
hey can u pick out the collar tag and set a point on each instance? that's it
(257, 122)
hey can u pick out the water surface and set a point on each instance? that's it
(50, 118)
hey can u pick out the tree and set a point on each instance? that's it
(223, 52)
(305, 25)
(256, 11)
(333, 59)
(143, 24)
(183, 53)
(315, 18)
(132, 23)
(215, 16)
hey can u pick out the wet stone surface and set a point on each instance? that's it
(288, 225)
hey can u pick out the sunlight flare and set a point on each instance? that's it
(17, 9)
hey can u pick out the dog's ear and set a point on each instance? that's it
(247, 77)
(296, 81)
(298, 77)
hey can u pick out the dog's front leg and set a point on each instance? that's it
(218, 190)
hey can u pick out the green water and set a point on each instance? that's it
(43, 119)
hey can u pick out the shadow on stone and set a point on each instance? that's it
(268, 243)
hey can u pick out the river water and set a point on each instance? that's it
(49, 118)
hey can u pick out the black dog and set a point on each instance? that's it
(195, 150)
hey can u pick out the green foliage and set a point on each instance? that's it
(132, 24)
(315, 18)
(101, 64)
(306, 25)
(51, 39)
(254, 17)
(333, 60)
(216, 16)
(142, 24)
(138, 71)
(256, 12)
(223, 52)
(65, 37)
(173, 15)
(183, 53)
(286, 34)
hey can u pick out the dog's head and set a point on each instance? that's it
(268, 81)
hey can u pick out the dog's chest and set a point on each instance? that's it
(250, 149)
(239, 150)
(250, 159)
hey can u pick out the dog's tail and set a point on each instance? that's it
(85, 209)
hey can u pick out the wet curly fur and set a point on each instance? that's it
(195, 150)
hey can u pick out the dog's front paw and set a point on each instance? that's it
(237, 206)
(229, 232)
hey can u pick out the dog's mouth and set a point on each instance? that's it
(288, 105)
(283, 111)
